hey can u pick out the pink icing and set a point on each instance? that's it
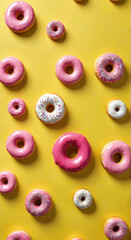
(116, 63)
(12, 13)
(115, 228)
(7, 182)
(23, 137)
(69, 61)
(82, 158)
(107, 157)
(16, 107)
(17, 74)
(55, 29)
(38, 202)
(18, 235)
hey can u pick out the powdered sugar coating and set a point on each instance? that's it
(19, 235)
(82, 199)
(7, 182)
(115, 228)
(55, 29)
(116, 109)
(17, 107)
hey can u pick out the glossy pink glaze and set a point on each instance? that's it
(16, 8)
(18, 235)
(77, 239)
(17, 107)
(38, 195)
(82, 158)
(7, 182)
(112, 223)
(18, 71)
(55, 29)
(15, 138)
(107, 157)
(69, 61)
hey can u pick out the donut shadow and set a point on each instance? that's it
(128, 235)
(61, 123)
(79, 84)
(83, 3)
(122, 176)
(24, 117)
(29, 159)
(19, 85)
(90, 209)
(12, 194)
(30, 32)
(121, 2)
(123, 120)
(121, 82)
(49, 216)
(62, 39)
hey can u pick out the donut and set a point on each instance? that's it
(50, 108)
(116, 109)
(19, 16)
(17, 107)
(78, 1)
(77, 239)
(11, 71)
(20, 144)
(82, 198)
(114, 1)
(60, 148)
(55, 30)
(69, 69)
(109, 68)
(115, 228)
(38, 202)
(8, 182)
(115, 157)
(19, 235)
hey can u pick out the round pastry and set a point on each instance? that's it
(7, 182)
(19, 16)
(11, 71)
(17, 107)
(115, 157)
(82, 199)
(20, 144)
(115, 228)
(60, 148)
(116, 109)
(38, 202)
(19, 235)
(109, 68)
(50, 108)
(55, 30)
(69, 69)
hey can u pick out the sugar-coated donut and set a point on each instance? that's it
(116, 109)
(69, 63)
(8, 182)
(82, 198)
(19, 235)
(50, 108)
(17, 107)
(63, 143)
(55, 30)
(115, 228)
(19, 16)
(20, 144)
(109, 68)
(38, 202)
(113, 149)
(11, 71)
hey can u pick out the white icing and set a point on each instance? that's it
(79, 202)
(116, 109)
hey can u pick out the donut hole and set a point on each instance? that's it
(19, 15)
(37, 202)
(69, 69)
(82, 198)
(115, 229)
(9, 70)
(16, 106)
(117, 109)
(71, 151)
(50, 108)
(109, 68)
(20, 144)
(4, 181)
(55, 29)
(117, 157)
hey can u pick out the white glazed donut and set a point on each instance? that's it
(82, 199)
(116, 109)
(50, 108)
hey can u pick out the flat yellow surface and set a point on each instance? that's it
(92, 29)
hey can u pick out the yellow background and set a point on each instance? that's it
(92, 29)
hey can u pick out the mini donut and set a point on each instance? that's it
(19, 235)
(115, 228)
(112, 149)
(8, 182)
(17, 107)
(50, 108)
(38, 202)
(19, 16)
(20, 144)
(116, 109)
(55, 30)
(11, 71)
(82, 198)
(109, 68)
(63, 143)
(63, 67)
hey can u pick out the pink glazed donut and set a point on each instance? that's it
(11, 71)
(120, 150)
(55, 30)
(7, 182)
(63, 143)
(38, 202)
(115, 228)
(19, 235)
(64, 65)
(19, 16)
(16, 107)
(109, 68)
(20, 144)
